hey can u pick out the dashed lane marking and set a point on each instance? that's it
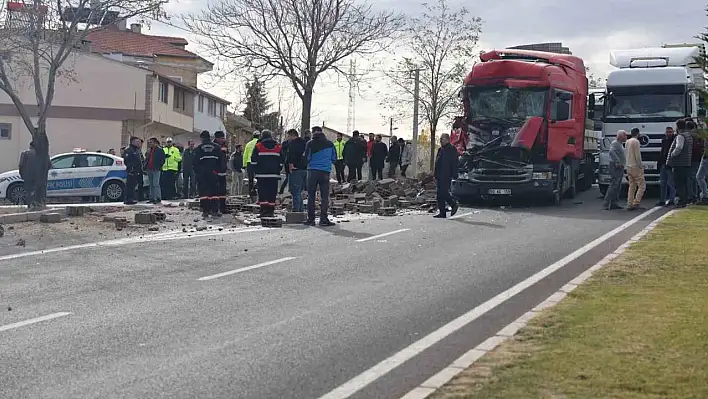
(382, 235)
(33, 321)
(245, 269)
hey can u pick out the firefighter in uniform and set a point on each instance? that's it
(267, 164)
(220, 140)
(208, 163)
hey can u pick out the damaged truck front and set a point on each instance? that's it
(526, 116)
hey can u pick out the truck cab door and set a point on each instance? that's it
(562, 127)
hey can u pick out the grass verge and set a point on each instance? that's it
(636, 329)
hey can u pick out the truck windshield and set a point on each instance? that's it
(633, 106)
(506, 103)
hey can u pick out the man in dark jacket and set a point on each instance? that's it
(209, 161)
(267, 162)
(154, 160)
(379, 153)
(222, 190)
(297, 167)
(394, 157)
(236, 161)
(284, 155)
(189, 183)
(133, 164)
(320, 156)
(445, 170)
(354, 156)
(29, 173)
(666, 181)
(679, 160)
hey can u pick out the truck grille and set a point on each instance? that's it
(500, 176)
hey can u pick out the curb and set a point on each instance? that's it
(437, 381)
(11, 218)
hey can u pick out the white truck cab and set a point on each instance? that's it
(650, 90)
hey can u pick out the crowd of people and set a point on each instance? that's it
(682, 165)
(303, 163)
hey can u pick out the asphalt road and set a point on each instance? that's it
(304, 310)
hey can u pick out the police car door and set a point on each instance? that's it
(89, 172)
(60, 182)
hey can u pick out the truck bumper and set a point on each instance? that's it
(465, 189)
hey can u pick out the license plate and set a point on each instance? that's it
(649, 165)
(499, 191)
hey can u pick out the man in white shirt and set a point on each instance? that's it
(635, 172)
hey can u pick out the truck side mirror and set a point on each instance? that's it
(591, 101)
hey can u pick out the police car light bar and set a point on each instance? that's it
(79, 150)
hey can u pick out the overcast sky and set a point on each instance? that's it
(591, 30)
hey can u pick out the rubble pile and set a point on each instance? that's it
(384, 197)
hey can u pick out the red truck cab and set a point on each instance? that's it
(525, 114)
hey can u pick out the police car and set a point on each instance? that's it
(76, 174)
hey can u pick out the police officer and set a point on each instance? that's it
(267, 163)
(134, 166)
(221, 192)
(208, 162)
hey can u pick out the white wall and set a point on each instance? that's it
(95, 82)
(64, 136)
(164, 113)
(203, 121)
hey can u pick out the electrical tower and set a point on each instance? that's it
(351, 115)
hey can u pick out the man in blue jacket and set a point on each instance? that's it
(320, 156)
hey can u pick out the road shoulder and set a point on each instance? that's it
(636, 328)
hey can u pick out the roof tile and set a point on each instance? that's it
(113, 40)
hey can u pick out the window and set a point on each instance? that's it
(5, 131)
(200, 105)
(503, 102)
(180, 102)
(164, 92)
(99, 160)
(561, 105)
(63, 162)
(212, 107)
(221, 110)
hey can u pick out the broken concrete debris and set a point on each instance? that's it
(52, 217)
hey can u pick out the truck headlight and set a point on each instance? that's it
(604, 169)
(542, 175)
(463, 176)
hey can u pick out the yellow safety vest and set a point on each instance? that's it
(172, 159)
(248, 152)
(339, 148)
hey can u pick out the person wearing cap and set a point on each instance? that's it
(209, 162)
(170, 169)
(247, 153)
(133, 164)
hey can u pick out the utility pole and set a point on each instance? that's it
(416, 101)
(390, 127)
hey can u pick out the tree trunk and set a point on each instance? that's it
(41, 146)
(306, 110)
(432, 147)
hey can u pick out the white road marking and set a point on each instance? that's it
(362, 380)
(32, 321)
(437, 381)
(245, 269)
(462, 215)
(167, 236)
(382, 235)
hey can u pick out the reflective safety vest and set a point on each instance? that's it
(339, 148)
(172, 159)
(248, 151)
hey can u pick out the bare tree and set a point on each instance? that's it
(296, 39)
(593, 81)
(37, 39)
(442, 44)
